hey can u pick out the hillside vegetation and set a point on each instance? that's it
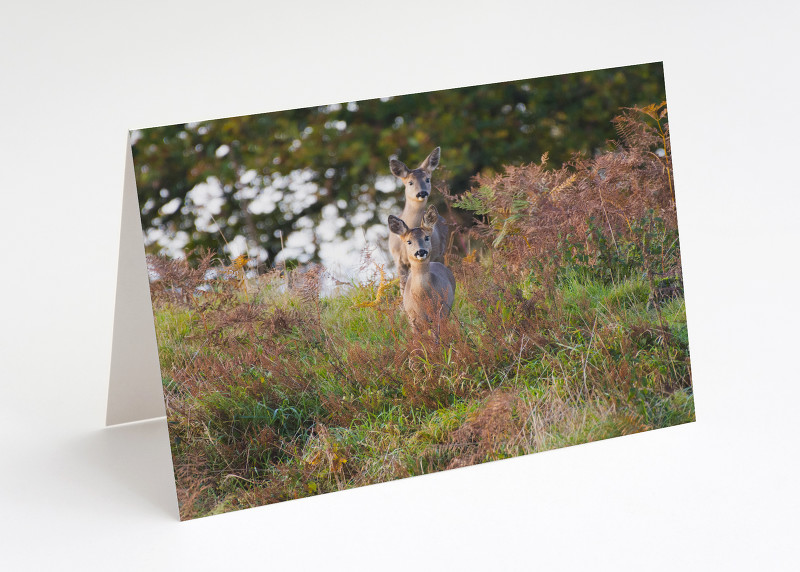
(568, 326)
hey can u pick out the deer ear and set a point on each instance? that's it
(397, 225)
(430, 219)
(398, 168)
(431, 161)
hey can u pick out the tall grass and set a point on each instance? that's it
(567, 328)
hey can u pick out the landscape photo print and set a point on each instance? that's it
(359, 292)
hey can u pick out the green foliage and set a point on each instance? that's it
(325, 415)
(649, 248)
(568, 326)
(342, 149)
(477, 201)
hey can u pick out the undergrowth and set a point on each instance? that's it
(568, 327)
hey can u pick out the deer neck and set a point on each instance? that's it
(413, 212)
(420, 276)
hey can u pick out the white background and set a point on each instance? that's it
(719, 494)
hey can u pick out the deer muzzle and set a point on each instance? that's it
(422, 195)
(421, 254)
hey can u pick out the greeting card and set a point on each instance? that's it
(358, 292)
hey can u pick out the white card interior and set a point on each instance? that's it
(134, 389)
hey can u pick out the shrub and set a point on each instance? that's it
(569, 327)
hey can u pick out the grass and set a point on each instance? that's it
(568, 326)
(290, 398)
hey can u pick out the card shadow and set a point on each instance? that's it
(133, 459)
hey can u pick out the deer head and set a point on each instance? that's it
(417, 181)
(417, 241)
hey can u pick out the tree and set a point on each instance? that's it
(280, 174)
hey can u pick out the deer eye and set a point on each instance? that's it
(408, 241)
(427, 180)
(411, 183)
(427, 238)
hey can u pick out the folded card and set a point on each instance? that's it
(349, 294)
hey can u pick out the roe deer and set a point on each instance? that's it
(430, 288)
(417, 190)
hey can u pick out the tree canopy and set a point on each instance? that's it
(266, 177)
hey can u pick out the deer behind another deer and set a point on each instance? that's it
(417, 184)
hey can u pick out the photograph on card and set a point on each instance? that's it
(359, 292)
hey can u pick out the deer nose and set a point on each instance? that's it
(422, 194)
(421, 254)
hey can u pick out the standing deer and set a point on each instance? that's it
(417, 189)
(430, 288)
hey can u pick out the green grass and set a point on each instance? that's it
(321, 401)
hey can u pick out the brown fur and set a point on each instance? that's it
(430, 287)
(417, 182)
